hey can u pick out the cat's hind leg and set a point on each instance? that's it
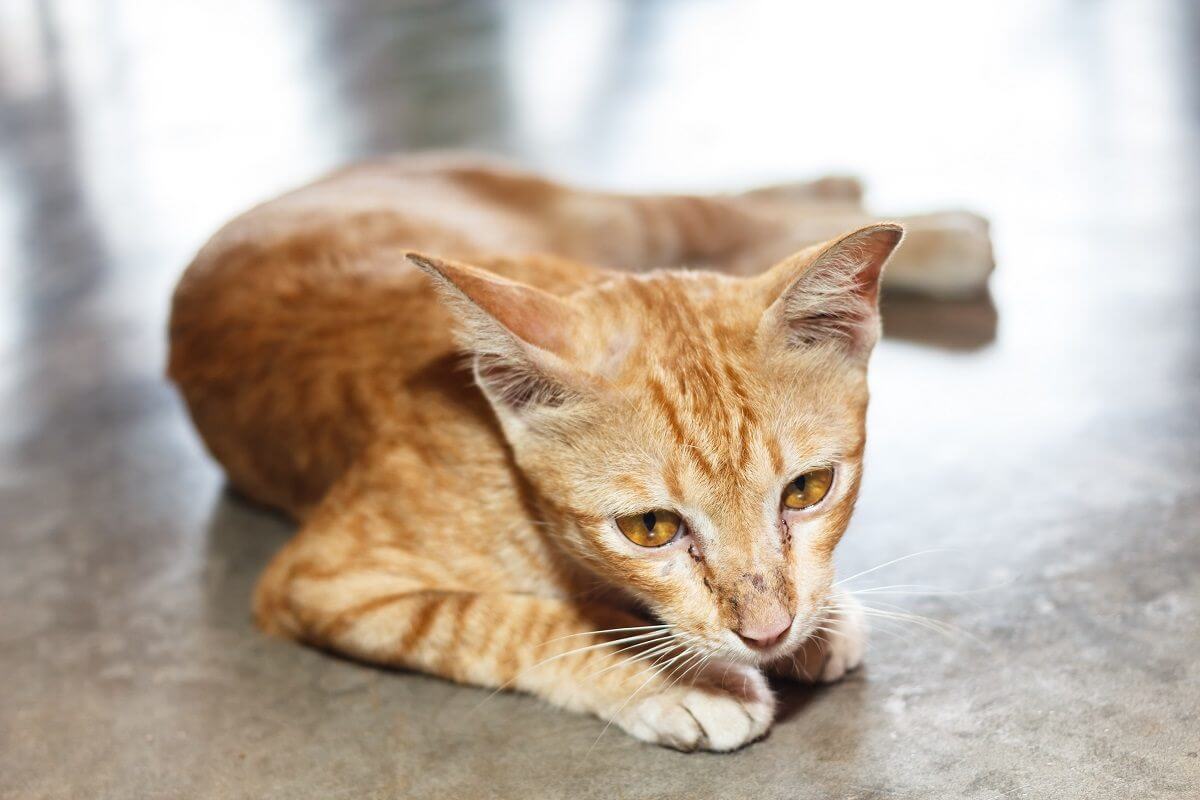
(946, 254)
(833, 189)
(641, 232)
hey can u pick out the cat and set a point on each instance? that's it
(528, 449)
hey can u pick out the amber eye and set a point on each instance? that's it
(809, 489)
(651, 529)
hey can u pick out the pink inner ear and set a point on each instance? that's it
(834, 294)
(872, 250)
(538, 318)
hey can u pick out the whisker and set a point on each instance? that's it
(644, 638)
(657, 663)
(628, 699)
(878, 625)
(607, 630)
(640, 638)
(696, 668)
(686, 641)
(629, 660)
(694, 665)
(898, 588)
(925, 589)
(889, 563)
(901, 616)
(937, 626)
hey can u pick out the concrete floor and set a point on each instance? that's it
(1035, 453)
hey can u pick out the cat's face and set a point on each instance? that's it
(696, 438)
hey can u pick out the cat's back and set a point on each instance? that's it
(301, 332)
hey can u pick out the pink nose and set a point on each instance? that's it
(765, 632)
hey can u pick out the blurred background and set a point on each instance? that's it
(1035, 453)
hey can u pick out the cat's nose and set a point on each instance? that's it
(762, 633)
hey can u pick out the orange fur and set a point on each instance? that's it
(463, 525)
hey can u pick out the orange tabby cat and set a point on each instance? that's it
(626, 498)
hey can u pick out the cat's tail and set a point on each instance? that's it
(839, 189)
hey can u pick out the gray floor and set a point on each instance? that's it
(1035, 457)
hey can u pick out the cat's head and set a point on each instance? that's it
(696, 438)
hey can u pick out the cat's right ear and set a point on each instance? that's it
(519, 335)
(828, 294)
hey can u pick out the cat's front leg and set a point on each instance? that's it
(725, 707)
(836, 647)
(592, 658)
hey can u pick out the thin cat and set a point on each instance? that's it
(627, 499)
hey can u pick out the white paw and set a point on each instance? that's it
(946, 255)
(846, 642)
(837, 648)
(728, 707)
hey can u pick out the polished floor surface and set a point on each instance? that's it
(1033, 486)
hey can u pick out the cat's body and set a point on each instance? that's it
(470, 533)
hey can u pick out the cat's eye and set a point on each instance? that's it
(651, 529)
(808, 489)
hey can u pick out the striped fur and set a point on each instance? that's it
(456, 431)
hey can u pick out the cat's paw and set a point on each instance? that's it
(946, 255)
(846, 641)
(832, 652)
(728, 707)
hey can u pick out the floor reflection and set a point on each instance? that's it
(951, 324)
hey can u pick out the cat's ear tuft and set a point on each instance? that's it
(829, 293)
(518, 334)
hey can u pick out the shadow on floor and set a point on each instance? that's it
(947, 324)
(241, 539)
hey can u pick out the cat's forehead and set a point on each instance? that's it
(675, 320)
(713, 410)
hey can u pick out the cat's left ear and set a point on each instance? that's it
(519, 335)
(829, 293)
